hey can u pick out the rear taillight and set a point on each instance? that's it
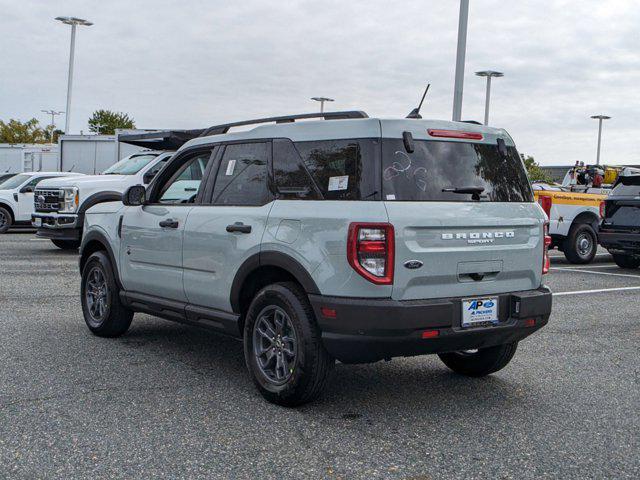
(546, 260)
(546, 203)
(603, 209)
(370, 251)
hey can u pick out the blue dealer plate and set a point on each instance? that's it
(479, 311)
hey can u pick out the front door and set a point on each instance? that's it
(222, 234)
(25, 199)
(152, 234)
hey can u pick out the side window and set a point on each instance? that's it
(338, 167)
(242, 175)
(32, 184)
(183, 185)
(292, 179)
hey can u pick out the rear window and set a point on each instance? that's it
(437, 165)
(627, 187)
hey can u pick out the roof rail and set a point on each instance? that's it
(224, 128)
(160, 139)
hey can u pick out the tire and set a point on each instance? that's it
(67, 244)
(113, 319)
(581, 244)
(5, 220)
(310, 366)
(482, 362)
(626, 261)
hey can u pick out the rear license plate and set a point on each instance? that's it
(37, 222)
(479, 311)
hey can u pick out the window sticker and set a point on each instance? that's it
(391, 196)
(338, 183)
(231, 166)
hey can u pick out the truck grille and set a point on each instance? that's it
(47, 200)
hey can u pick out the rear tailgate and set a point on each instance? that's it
(622, 214)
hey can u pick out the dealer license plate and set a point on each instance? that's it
(480, 311)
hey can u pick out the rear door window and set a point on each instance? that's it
(627, 186)
(435, 166)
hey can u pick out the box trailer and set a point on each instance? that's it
(25, 157)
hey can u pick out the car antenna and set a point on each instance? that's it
(415, 113)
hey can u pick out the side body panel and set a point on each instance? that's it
(566, 206)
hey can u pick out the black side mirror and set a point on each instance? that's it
(134, 196)
(148, 177)
(27, 189)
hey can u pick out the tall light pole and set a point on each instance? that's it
(74, 22)
(600, 118)
(461, 51)
(53, 114)
(322, 100)
(489, 74)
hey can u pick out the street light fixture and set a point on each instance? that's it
(489, 74)
(322, 100)
(74, 22)
(53, 114)
(600, 118)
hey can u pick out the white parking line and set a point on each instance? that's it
(596, 273)
(600, 290)
(600, 265)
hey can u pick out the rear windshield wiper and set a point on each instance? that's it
(474, 191)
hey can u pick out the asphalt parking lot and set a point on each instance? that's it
(170, 401)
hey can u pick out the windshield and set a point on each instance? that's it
(130, 165)
(14, 182)
(460, 168)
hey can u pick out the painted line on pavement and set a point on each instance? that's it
(595, 273)
(600, 290)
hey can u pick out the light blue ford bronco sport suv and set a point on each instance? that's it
(345, 237)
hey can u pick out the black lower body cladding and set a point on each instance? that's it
(361, 330)
(622, 242)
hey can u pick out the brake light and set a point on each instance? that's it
(455, 134)
(603, 209)
(546, 204)
(370, 251)
(546, 260)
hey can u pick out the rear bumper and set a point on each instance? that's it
(367, 330)
(620, 241)
(57, 226)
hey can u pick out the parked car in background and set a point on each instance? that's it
(353, 238)
(620, 228)
(574, 220)
(16, 197)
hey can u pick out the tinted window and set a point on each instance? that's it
(293, 180)
(436, 165)
(242, 176)
(627, 186)
(14, 182)
(342, 169)
(183, 185)
(130, 165)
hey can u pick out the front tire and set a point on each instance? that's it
(67, 244)
(481, 362)
(5, 220)
(581, 244)
(283, 347)
(103, 312)
(626, 261)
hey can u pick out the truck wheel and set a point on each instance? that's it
(5, 220)
(480, 362)
(626, 261)
(283, 348)
(67, 244)
(581, 244)
(103, 312)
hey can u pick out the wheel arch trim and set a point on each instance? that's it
(97, 236)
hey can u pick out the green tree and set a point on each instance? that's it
(106, 122)
(15, 131)
(535, 172)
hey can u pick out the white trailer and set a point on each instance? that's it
(24, 157)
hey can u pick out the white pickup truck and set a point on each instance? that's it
(60, 203)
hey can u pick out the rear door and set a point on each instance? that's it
(460, 244)
(227, 228)
(622, 210)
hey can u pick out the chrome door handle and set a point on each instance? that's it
(239, 227)
(169, 223)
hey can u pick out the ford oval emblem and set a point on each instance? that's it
(41, 199)
(413, 264)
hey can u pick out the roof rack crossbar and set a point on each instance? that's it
(225, 127)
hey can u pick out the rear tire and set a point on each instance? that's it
(581, 244)
(626, 261)
(67, 244)
(5, 220)
(484, 361)
(283, 346)
(103, 312)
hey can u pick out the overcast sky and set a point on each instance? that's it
(191, 64)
